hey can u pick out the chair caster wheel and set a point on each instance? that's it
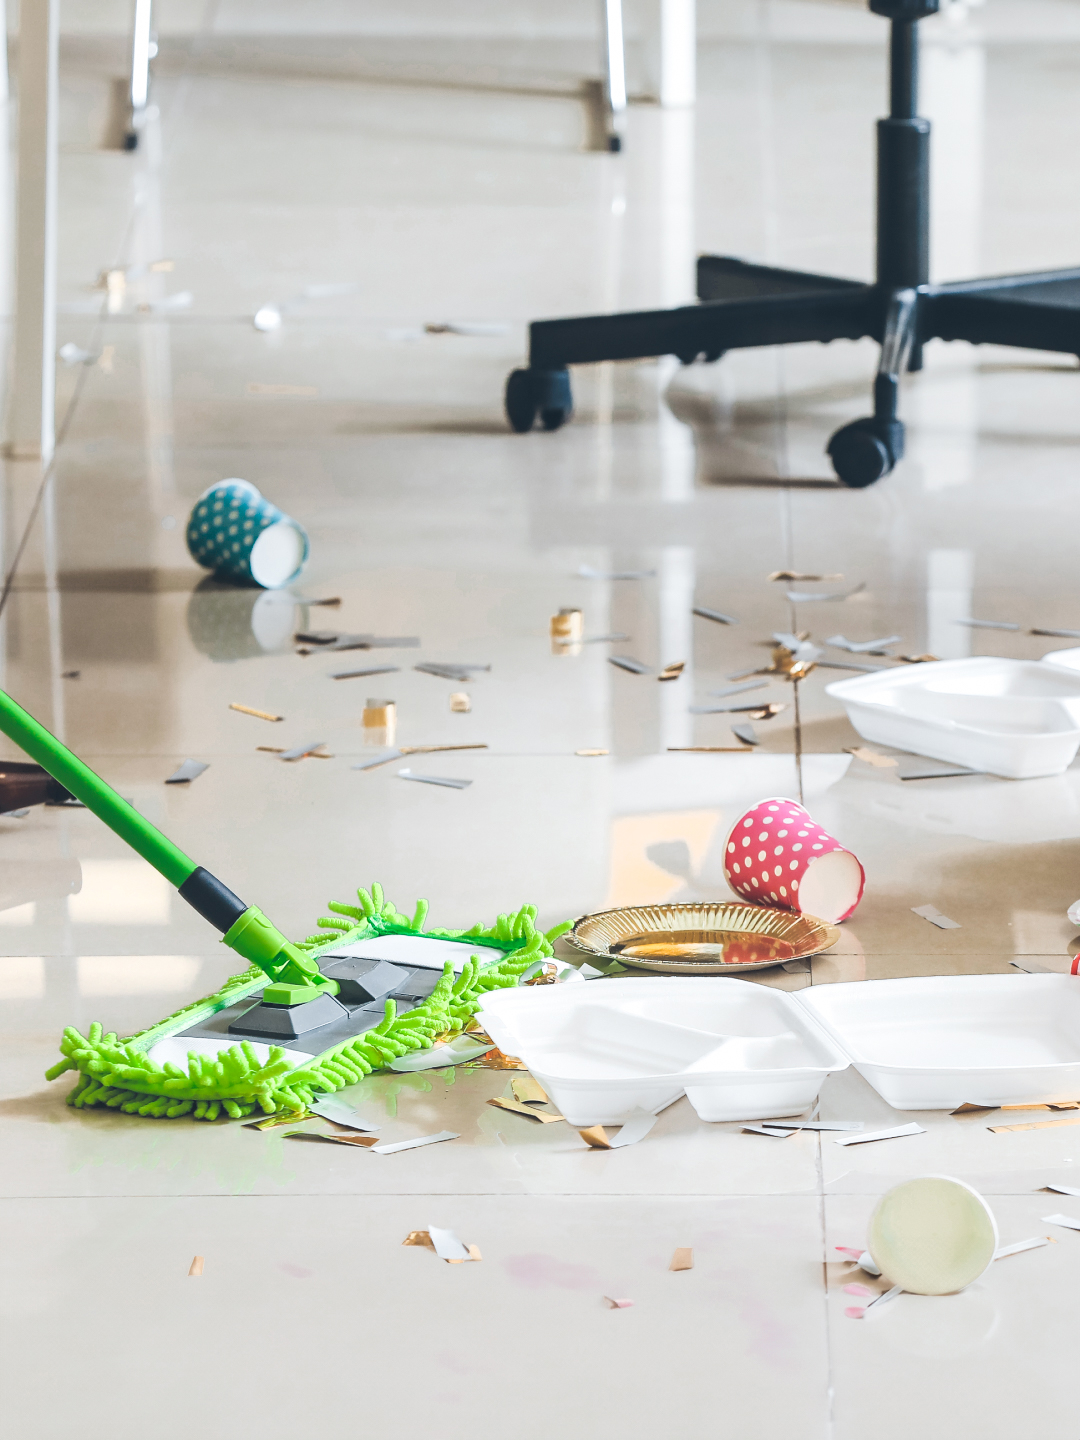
(520, 401)
(546, 393)
(860, 455)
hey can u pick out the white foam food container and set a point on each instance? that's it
(738, 1051)
(935, 1042)
(1014, 718)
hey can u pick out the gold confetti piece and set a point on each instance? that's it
(460, 704)
(380, 714)
(273, 1121)
(672, 672)
(798, 575)
(595, 1136)
(419, 1237)
(969, 1107)
(516, 1108)
(1038, 1125)
(683, 1259)
(873, 757)
(196, 1266)
(474, 1254)
(259, 714)
(271, 749)
(919, 659)
(592, 752)
(432, 749)
(528, 1091)
(364, 1141)
(256, 388)
(1049, 1105)
(617, 1304)
(495, 1060)
(161, 267)
(568, 626)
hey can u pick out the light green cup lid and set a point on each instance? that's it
(933, 1235)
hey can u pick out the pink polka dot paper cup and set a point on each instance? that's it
(776, 855)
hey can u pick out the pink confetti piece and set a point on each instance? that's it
(849, 1250)
(617, 1304)
(856, 1290)
(855, 1312)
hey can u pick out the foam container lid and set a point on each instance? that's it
(934, 1042)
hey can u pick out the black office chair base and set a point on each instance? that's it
(742, 305)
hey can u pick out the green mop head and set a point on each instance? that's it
(120, 1075)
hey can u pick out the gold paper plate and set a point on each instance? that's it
(724, 938)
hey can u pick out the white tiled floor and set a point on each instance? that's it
(445, 175)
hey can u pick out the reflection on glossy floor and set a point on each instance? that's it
(450, 181)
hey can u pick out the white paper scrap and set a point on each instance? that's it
(988, 624)
(383, 759)
(738, 689)
(731, 709)
(717, 615)
(342, 1114)
(447, 1245)
(893, 1134)
(385, 1149)
(187, 770)
(627, 662)
(1063, 1189)
(934, 915)
(807, 597)
(889, 1295)
(1020, 1246)
(460, 1049)
(861, 647)
(775, 1132)
(1066, 1220)
(635, 1127)
(444, 780)
(299, 751)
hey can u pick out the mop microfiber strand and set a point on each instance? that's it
(119, 1074)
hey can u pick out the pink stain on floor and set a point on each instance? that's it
(298, 1272)
(537, 1271)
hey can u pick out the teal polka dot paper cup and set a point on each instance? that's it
(240, 535)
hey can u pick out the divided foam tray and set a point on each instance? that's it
(737, 1050)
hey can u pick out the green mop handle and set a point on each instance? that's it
(244, 927)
